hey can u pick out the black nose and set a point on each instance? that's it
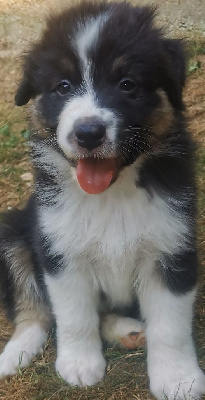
(89, 134)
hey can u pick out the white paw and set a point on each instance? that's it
(12, 359)
(190, 387)
(81, 370)
(21, 349)
(126, 331)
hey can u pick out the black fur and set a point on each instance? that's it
(179, 271)
(156, 63)
(7, 293)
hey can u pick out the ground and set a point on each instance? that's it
(126, 379)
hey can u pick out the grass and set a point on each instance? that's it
(13, 164)
(41, 381)
(195, 49)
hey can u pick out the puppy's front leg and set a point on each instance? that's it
(172, 364)
(79, 358)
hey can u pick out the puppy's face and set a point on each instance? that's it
(106, 88)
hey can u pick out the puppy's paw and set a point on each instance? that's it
(12, 360)
(128, 332)
(175, 387)
(20, 350)
(15, 357)
(133, 340)
(81, 370)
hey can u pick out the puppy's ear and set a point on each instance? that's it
(174, 70)
(27, 87)
(24, 92)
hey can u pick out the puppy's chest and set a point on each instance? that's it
(110, 228)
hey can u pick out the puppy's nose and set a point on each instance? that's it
(89, 134)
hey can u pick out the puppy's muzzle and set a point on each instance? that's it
(89, 133)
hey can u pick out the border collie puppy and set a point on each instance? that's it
(111, 222)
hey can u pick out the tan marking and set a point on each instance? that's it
(27, 318)
(19, 259)
(162, 118)
(67, 64)
(119, 63)
(29, 306)
(38, 124)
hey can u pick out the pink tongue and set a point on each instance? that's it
(94, 176)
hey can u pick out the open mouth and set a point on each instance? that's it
(97, 169)
(95, 175)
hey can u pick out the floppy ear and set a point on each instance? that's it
(24, 92)
(27, 88)
(174, 62)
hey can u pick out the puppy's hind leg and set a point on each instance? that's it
(23, 302)
(125, 331)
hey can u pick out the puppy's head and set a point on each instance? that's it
(106, 85)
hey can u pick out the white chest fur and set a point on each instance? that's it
(109, 233)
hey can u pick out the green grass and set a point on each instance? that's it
(12, 144)
(195, 49)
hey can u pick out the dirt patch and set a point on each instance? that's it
(194, 96)
(22, 20)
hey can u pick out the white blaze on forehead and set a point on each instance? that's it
(85, 104)
(86, 37)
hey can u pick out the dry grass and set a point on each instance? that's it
(41, 382)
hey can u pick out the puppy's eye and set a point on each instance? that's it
(127, 85)
(63, 87)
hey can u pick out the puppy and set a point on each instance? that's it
(111, 222)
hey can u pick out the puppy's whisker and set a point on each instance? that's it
(142, 128)
(145, 131)
(139, 145)
(141, 142)
(135, 144)
(139, 134)
(129, 152)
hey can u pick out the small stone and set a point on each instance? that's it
(27, 177)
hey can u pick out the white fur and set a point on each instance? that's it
(105, 247)
(172, 365)
(85, 39)
(111, 242)
(102, 228)
(115, 327)
(84, 103)
(26, 342)
(74, 299)
(79, 107)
